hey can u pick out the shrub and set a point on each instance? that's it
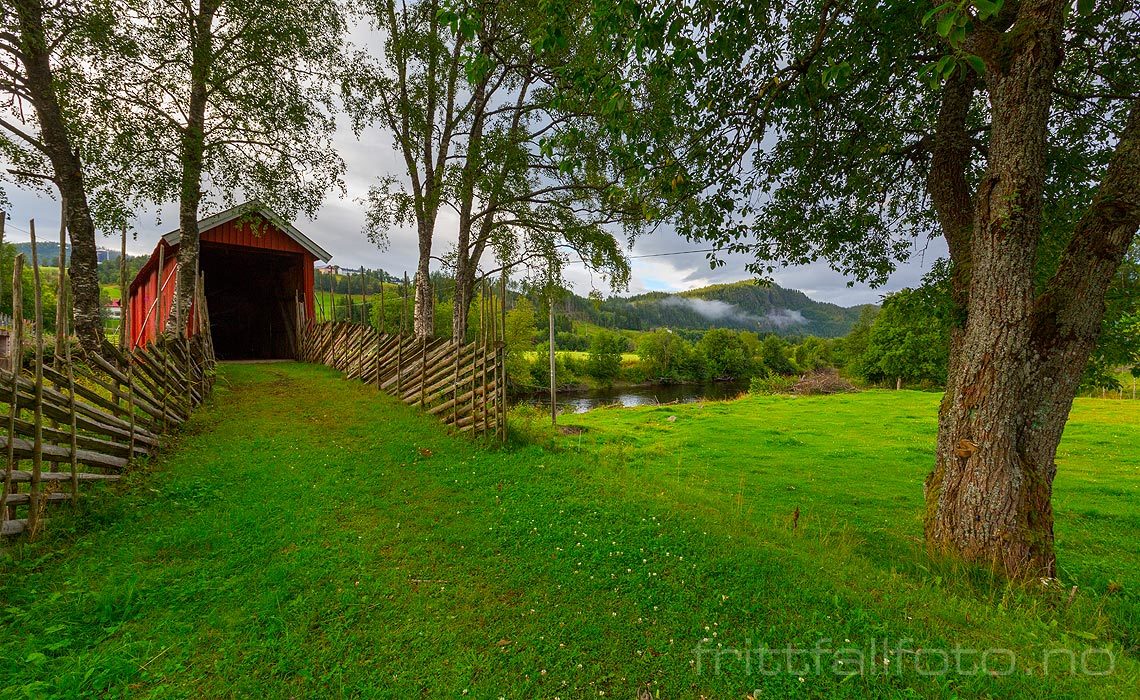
(772, 384)
(726, 354)
(569, 369)
(824, 381)
(774, 352)
(668, 357)
(604, 363)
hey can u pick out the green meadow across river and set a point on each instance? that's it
(310, 538)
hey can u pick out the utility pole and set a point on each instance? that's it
(553, 379)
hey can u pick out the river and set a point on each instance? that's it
(583, 400)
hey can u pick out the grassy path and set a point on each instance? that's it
(309, 538)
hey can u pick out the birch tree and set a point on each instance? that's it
(484, 74)
(416, 91)
(231, 100)
(46, 136)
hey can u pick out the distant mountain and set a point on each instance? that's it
(741, 305)
(49, 252)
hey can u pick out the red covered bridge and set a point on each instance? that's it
(256, 267)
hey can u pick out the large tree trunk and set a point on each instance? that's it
(56, 144)
(1016, 360)
(424, 310)
(193, 163)
(461, 311)
(466, 267)
(466, 259)
(988, 496)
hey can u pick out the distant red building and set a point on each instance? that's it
(256, 266)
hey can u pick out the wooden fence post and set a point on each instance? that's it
(3, 223)
(158, 291)
(502, 360)
(17, 357)
(38, 410)
(494, 399)
(383, 309)
(404, 304)
(124, 295)
(72, 411)
(131, 402)
(423, 372)
(553, 367)
(458, 350)
(60, 300)
(363, 319)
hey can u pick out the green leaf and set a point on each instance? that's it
(946, 23)
(986, 8)
(941, 8)
(1085, 7)
(976, 63)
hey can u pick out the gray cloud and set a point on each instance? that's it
(712, 309)
(338, 227)
(782, 318)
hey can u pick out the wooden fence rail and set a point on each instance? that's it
(464, 385)
(79, 422)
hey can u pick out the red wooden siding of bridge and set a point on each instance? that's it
(251, 233)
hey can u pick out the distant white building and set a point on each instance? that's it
(113, 310)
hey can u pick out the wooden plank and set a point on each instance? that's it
(151, 372)
(22, 499)
(22, 476)
(83, 413)
(55, 453)
(62, 383)
(140, 398)
(85, 423)
(55, 399)
(24, 428)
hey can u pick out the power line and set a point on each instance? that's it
(676, 252)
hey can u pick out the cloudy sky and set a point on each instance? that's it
(338, 228)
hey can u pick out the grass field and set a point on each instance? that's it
(309, 538)
(111, 290)
(581, 356)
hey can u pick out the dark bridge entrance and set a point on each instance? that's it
(256, 268)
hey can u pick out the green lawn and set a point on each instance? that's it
(310, 538)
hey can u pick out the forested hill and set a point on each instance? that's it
(742, 305)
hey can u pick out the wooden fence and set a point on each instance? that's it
(80, 422)
(464, 385)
